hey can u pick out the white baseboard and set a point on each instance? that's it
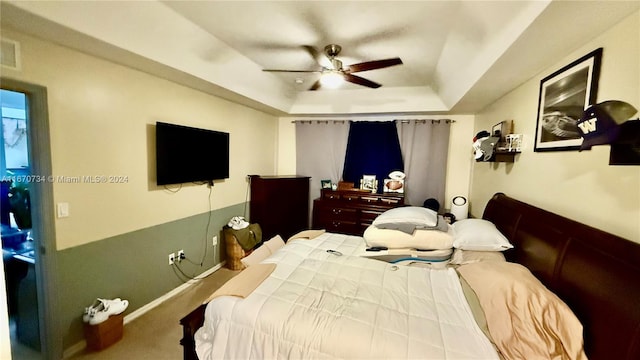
(144, 309)
(74, 349)
(81, 345)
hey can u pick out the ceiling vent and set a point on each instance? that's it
(10, 54)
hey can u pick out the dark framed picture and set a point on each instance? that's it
(325, 184)
(563, 97)
(496, 130)
(500, 130)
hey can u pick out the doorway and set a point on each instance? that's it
(28, 229)
(17, 242)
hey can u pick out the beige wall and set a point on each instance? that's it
(458, 164)
(578, 185)
(286, 147)
(102, 118)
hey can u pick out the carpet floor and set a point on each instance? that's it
(156, 334)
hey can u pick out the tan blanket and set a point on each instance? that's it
(525, 319)
(244, 283)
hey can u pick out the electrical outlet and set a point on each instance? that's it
(214, 240)
(180, 256)
(172, 258)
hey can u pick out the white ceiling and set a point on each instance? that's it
(458, 56)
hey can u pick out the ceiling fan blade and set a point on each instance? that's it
(321, 58)
(315, 86)
(292, 71)
(372, 65)
(361, 81)
(314, 53)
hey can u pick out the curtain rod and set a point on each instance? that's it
(424, 121)
(402, 121)
(320, 121)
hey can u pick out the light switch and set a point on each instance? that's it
(63, 210)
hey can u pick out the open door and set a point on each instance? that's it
(31, 221)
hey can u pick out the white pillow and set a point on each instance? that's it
(407, 219)
(419, 239)
(479, 235)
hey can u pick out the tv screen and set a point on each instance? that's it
(187, 154)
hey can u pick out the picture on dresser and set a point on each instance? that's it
(393, 185)
(325, 184)
(368, 182)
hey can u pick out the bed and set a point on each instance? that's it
(595, 273)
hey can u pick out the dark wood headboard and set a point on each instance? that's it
(596, 273)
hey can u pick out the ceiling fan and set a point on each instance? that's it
(334, 74)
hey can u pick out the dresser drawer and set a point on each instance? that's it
(392, 201)
(339, 213)
(330, 195)
(367, 216)
(343, 227)
(370, 199)
(350, 197)
(351, 212)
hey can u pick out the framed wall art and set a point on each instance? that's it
(563, 97)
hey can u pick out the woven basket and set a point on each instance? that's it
(235, 252)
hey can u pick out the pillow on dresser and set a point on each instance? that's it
(479, 235)
(407, 219)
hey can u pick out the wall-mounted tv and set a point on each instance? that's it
(187, 154)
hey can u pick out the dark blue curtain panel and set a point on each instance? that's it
(373, 148)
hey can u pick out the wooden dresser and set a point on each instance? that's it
(351, 211)
(280, 204)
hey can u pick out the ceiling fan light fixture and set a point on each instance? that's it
(331, 79)
(332, 75)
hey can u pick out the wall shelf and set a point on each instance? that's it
(503, 156)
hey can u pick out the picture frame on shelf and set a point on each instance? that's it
(325, 184)
(514, 142)
(562, 99)
(369, 182)
(500, 131)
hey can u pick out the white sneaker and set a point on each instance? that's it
(87, 311)
(105, 309)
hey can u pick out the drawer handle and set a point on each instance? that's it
(336, 211)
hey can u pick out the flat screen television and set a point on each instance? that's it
(187, 154)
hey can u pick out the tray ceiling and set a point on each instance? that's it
(458, 56)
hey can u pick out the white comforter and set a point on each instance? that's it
(322, 305)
